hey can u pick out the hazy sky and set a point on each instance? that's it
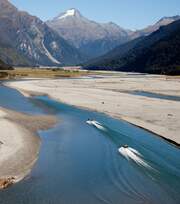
(132, 14)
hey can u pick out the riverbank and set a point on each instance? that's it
(110, 95)
(25, 72)
(19, 144)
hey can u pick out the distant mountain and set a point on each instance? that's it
(91, 38)
(96, 39)
(157, 53)
(69, 39)
(26, 40)
(152, 28)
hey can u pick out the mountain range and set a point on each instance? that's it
(72, 39)
(157, 53)
(26, 40)
(152, 28)
(89, 37)
(95, 39)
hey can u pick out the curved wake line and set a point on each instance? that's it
(130, 153)
(96, 124)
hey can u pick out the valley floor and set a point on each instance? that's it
(110, 93)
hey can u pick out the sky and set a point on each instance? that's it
(130, 14)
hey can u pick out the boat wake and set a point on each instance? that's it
(96, 124)
(127, 152)
(132, 154)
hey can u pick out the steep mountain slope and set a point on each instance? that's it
(96, 39)
(91, 38)
(156, 53)
(152, 28)
(100, 62)
(26, 40)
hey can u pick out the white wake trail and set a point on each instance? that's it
(130, 153)
(96, 124)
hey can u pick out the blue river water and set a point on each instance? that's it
(81, 164)
(155, 95)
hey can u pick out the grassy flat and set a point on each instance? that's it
(41, 73)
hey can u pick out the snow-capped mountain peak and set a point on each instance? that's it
(89, 37)
(69, 13)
